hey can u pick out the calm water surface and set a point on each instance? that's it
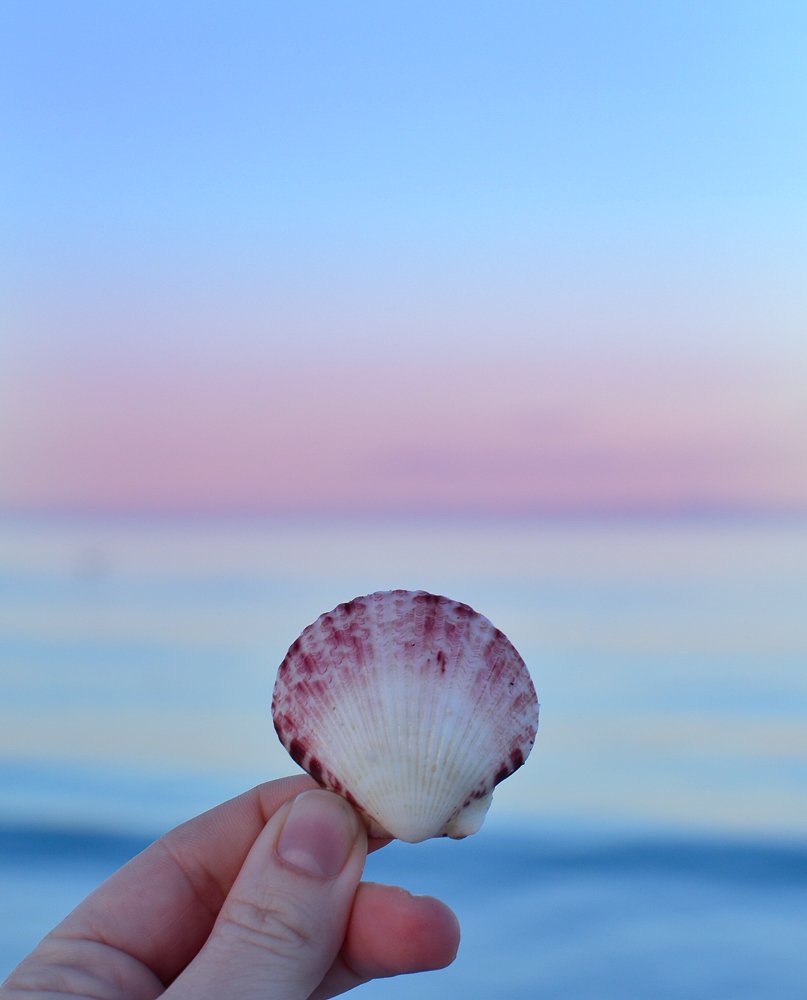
(654, 845)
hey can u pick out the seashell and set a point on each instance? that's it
(411, 706)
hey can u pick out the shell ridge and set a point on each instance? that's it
(493, 696)
(369, 705)
(453, 747)
(389, 621)
(449, 744)
(425, 625)
(341, 739)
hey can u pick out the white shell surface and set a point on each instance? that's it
(410, 705)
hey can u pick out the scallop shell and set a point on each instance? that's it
(412, 706)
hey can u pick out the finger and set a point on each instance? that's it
(161, 906)
(285, 918)
(390, 933)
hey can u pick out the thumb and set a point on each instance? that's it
(284, 920)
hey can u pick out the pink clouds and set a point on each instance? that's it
(526, 435)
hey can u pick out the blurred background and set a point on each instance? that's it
(504, 301)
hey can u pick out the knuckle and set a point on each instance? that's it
(270, 926)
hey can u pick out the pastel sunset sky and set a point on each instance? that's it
(504, 258)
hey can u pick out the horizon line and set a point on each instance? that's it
(682, 513)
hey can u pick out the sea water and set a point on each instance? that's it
(655, 845)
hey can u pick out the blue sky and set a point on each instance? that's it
(280, 184)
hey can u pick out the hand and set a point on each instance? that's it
(257, 898)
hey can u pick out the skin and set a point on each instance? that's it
(258, 898)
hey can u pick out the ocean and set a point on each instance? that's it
(655, 844)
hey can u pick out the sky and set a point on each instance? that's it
(485, 258)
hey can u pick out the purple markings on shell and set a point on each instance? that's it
(412, 706)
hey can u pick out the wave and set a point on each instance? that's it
(495, 856)
(55, 844)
